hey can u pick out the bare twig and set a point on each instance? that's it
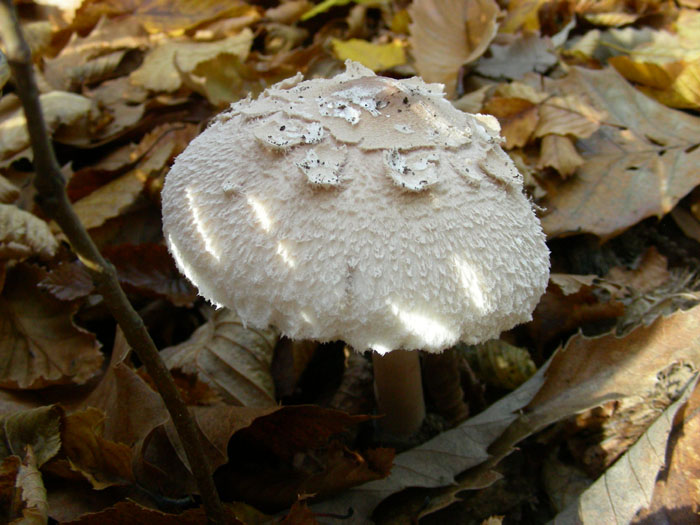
(53, 200)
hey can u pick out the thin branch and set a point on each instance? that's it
(54, 202)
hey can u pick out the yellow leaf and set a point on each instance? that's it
(659, 76)
(522, 14)
(377, 57)
(163, 66)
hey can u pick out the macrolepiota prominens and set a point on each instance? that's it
(364, 209)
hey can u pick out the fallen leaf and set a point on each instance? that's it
(448, 34)
(110, 200)
(675, 496)
(650, 271)
(590, 371)
(68, 281)
(39, 344)
(132, 409)
(500, 364)
(559, 153)
(8, 191)
(233, 359)
(436, 462)
(569, 115)
(522, 14)
(68, 112)
(23, 235)
(639, 163)
(156, 16)
(104, 463)
(131, 513)
(377, 57)
(101, 50)
(34, 504)
(518, 118)
(612, 498)
(148, 268)
(36, 428)
(513, 57)
(223, 79)
(163, 66)
(299, 514)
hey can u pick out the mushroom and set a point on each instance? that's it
(364, 209)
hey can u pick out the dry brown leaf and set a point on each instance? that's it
(131, 513)
(132, 409)
(612, 498)
(650, 272)
(640, 162)
(447, 34)
(159, 16)
(148, 268)
(590, 371)
(110, 200)
(37, 428)
(233, 359)
(164, 66)
(514, 56)
(100, 51)
(23, 235)
(8, 191)
(68, 281)
(569, 115)
(518, 118)
(436, 462)
(675, 498)
(559, 153)
(34, 504)
(104, 463)
(68, 112)
(39, 344)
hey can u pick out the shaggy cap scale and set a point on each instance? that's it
(358, 208)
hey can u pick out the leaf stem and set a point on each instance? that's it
(54, 202)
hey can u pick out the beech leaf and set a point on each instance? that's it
(38, 428)
(39, 344)
(640, 162)
(613, 498)
(447, 34)
(23, 235)
(233, 359)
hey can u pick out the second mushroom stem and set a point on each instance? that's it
(399, 392)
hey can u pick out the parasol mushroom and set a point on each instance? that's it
(364, 209)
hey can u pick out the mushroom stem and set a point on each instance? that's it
(399, 392)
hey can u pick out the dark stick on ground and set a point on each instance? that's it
(54, 202)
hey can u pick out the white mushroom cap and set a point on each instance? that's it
(359, 208)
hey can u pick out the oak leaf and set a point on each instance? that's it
(559, 152)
